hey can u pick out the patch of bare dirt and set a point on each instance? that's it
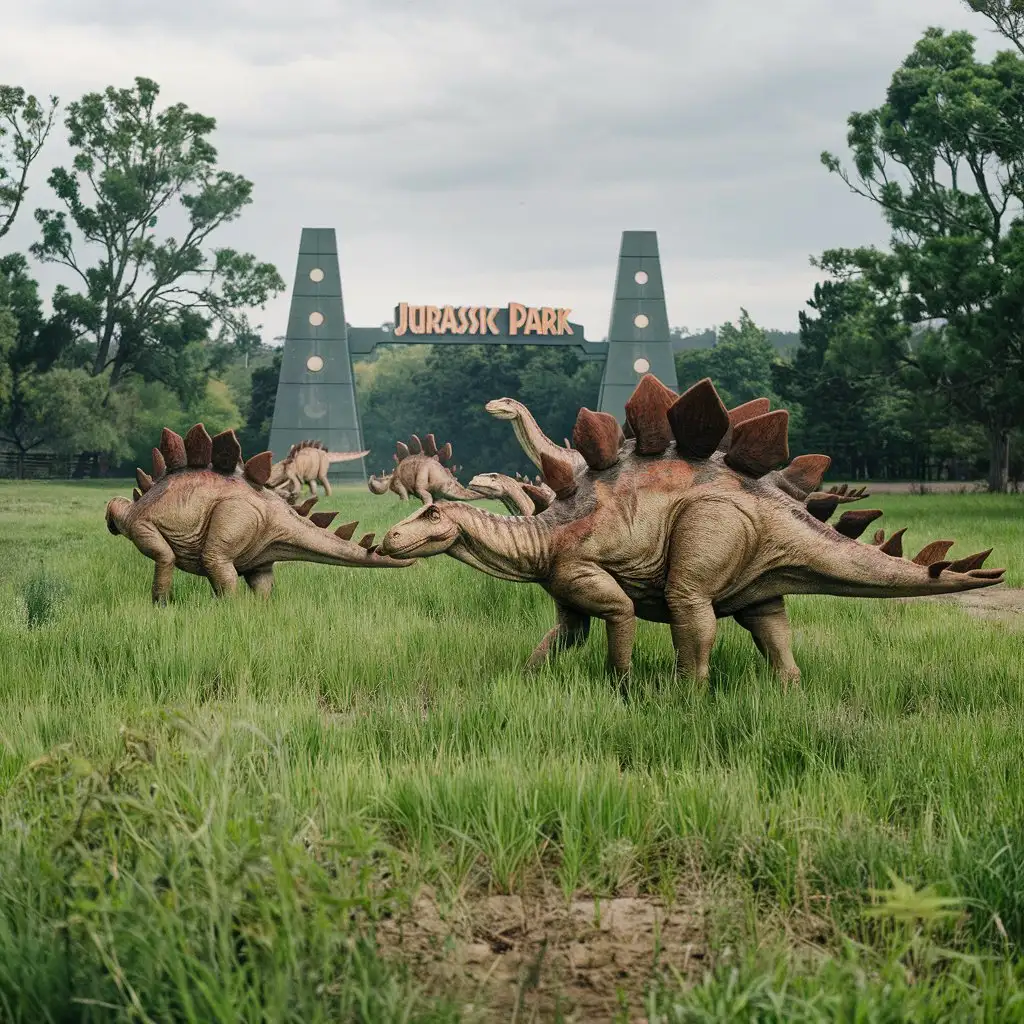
(515, 958)
(1002, 604)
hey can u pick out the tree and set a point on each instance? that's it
(943, 159)
(24, 125)
(1006, 15)
(134, 166)
(740, 363)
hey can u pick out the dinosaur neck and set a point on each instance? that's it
(516, 500)
(533, 440)
(507, 547)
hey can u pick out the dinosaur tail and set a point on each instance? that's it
(377, 484)
(454, 491)
(840, 565)
(309, 540)
(333, 457)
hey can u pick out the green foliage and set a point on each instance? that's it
(943, 158)
(740, 364)
(238, 842)
(443, 389)
(24, 126)
(141, 301)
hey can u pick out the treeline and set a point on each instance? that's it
(908, 362)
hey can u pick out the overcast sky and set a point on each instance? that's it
(484, 152)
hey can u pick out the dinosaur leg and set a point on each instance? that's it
(325, 483)
(693, 624)
(151, 543)
(570, 630)
(768, 624)
(260, 581)
(594, 592)
(312, 488)
(222, 575)
(422, 491)
(399, 488)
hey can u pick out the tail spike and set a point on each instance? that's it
(257, 469)
(569, 446)
(305, 507)
(226, 452)
(894, 545)
(430, 445)
(597, 436)
(807, 472)
(143, 479)
(759, 444)
(172, 447)
(971, 562)
(415, 445)
(647, 413)
(159, 466)
(936, 568)
(136, 494)
(853, 523)
(346, 530)
(558, 475)
(401, 450)
(366, 541)
(823, 507)
(198, 447)
(698, 420)
(933, 552)
(322, 519)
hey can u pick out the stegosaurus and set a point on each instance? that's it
(420, 469)
(685, 522)
(306, 464)
(204, 512)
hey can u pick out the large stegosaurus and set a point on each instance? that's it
(686, 521)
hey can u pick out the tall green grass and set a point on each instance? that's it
(205, 808)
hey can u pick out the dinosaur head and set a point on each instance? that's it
(428, 531)
(379, 484)
(489, 485)
(276, 475)
(115, 512)
(504, 408)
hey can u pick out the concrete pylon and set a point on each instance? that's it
(638, 335)
(316, 398)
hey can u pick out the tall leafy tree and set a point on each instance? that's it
(943, 159)
(138, 174)
(24, 125)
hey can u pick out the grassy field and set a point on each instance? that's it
(348, 804)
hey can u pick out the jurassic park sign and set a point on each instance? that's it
(513, 319)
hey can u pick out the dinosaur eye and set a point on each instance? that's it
(432, 512)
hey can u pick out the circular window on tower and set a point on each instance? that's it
(316, 275)
(314, 364)
(640, 277)
(316, 318)
(641, 320)
(641, 365)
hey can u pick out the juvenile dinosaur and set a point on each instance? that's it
(204, 512)
(307, 462)
(420, 469)
(521, 496)
(536, 443)
(686, 522)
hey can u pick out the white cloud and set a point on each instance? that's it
(476, 152)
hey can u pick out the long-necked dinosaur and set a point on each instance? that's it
(204, 512)
(521, 496)
(536, 443)
(307, 462)
(420, 469)
(686, 522)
